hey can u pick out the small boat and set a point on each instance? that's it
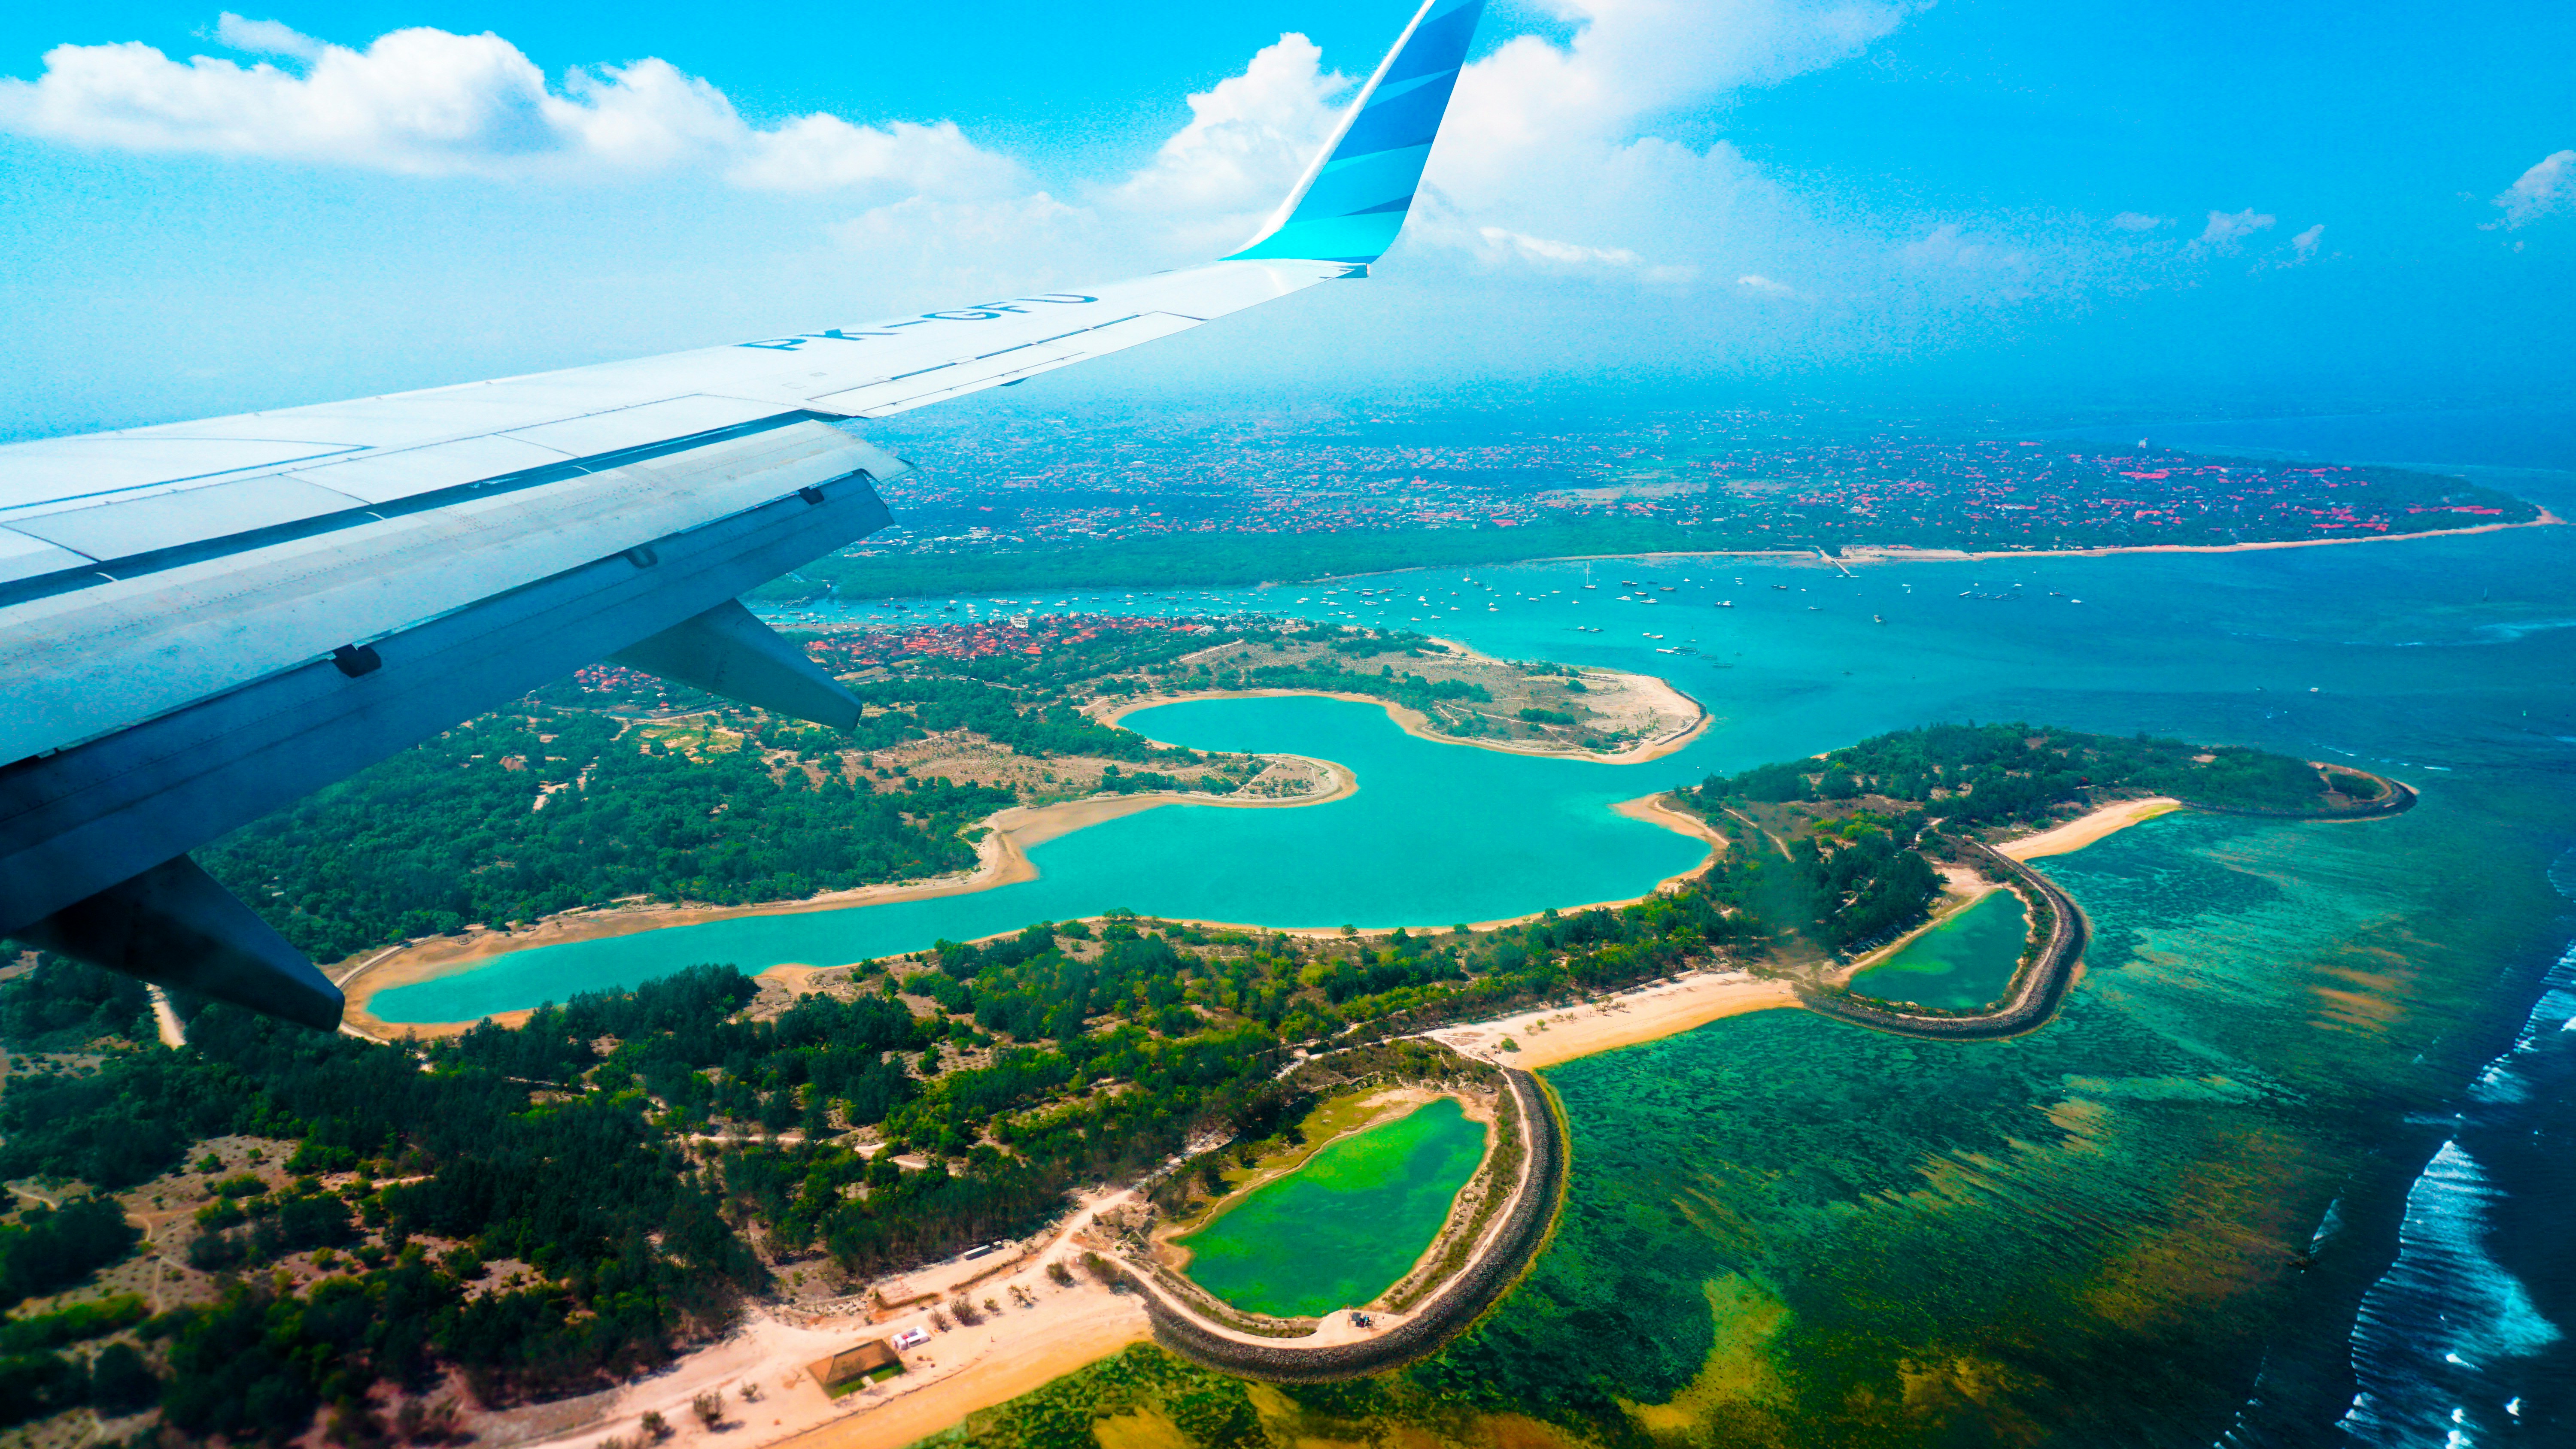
(1877, 618)
(1726, 603)
(1784, 588)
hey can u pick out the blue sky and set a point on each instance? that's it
(2176, 204)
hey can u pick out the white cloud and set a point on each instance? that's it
(2228, 229)
(2549, 186)
(821, 151)
(1249, 138)
(2139, 221)
(1762, 286)
(265, 37)
(1533, 101)
(2303, 247)
(1539, 249)
(425, 101)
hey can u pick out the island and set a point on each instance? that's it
(1859, 852)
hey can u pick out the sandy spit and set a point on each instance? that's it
(1550, 1036)
(1891, 553)
(2085, 829)
(1416, 724)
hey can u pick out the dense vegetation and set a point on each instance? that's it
(631, 1252)
(1853, 828)
(512, 817)
(2001, 773)
(78, 1005)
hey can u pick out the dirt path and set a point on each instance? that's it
(1042, 1331)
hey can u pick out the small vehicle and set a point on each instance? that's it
(911, 1338)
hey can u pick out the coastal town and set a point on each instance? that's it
(1739, 479)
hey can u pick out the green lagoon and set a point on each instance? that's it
(1959, 965)
(1347, 1225)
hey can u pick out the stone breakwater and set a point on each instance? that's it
(2038, 989)
(2393, 799)
(1476, 1287)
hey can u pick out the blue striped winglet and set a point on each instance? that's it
(1353, 200)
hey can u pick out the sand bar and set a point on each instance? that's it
(1681, 718)
(1897, 553)
(1551, 1036)
(2085, 829)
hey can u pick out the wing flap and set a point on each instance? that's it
(410, 472)
(23, 556)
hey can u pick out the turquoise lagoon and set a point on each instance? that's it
(1436, 835)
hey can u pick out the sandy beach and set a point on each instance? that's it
(2083, 830)
(1897, 553)
(1643, 697)
(1035, 1330)
(1549, 1036)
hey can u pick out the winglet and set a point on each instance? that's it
(1352, 201)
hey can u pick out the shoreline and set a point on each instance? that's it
(1897, 553)
(402, 968)
(1857, 553)
(1001, 859)
(2089, 827)
(1549, 1037)
(1414, 722)
(2064, 838)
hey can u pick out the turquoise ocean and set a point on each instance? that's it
(2340, 1046)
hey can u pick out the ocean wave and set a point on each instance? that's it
(2436, 1339)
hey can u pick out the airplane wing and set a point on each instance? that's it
(201, 622)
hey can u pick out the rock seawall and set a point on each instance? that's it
(1457, 1305)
